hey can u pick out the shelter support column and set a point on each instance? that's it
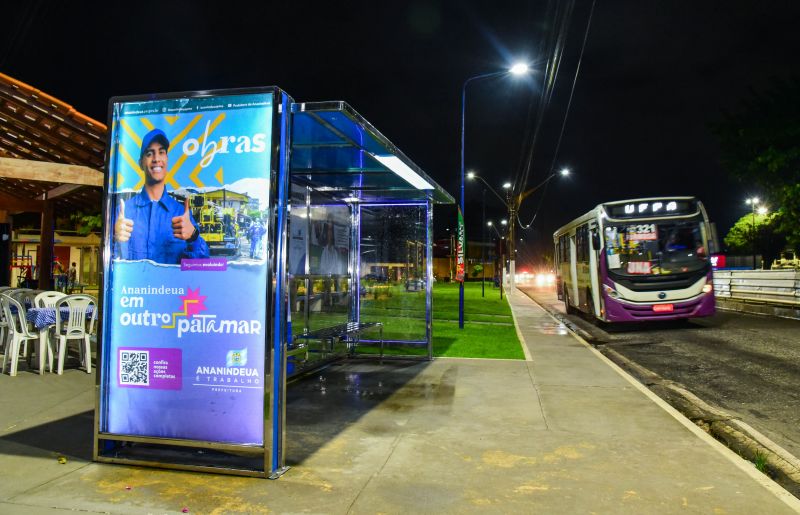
(46, 241)
(429, 278)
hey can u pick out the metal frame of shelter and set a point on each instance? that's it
(331, 154)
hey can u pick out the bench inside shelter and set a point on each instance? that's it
(325, 340)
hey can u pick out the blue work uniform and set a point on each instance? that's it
(152, 236)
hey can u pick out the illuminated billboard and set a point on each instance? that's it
(188, 225)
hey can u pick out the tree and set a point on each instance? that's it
(760, 145)
(86, 223)
(768, 241)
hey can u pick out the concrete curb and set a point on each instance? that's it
(782, 466)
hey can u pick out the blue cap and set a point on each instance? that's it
(154, 135)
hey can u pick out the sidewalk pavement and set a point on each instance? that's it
(564, 432)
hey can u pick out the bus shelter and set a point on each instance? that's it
(248, 240)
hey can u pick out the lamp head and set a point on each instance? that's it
(519, 69)
(470, 175)
(506, 185)
(503, 222)
(762, 210)
(564, 172)
(489, 223)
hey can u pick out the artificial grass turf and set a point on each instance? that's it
(488, 325)
(488, 329)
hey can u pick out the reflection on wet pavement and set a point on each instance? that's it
(550, 327)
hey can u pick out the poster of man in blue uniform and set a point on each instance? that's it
(182, 357)
(156, 226)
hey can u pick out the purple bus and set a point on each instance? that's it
(637, 260)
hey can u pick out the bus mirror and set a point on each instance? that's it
(596, 241)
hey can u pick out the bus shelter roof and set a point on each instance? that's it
(340, 155)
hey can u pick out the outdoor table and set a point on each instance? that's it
(44, 318)
(41, 318)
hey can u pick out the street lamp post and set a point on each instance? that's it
(500, 261)
(511, 249)
(753, 202)
(504, 246)
(483, 243)
(517, 69)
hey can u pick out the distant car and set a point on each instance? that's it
(415, 284)
(375, 277)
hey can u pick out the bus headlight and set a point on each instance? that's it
(708, 288)
(611, 292)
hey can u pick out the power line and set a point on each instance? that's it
(555, 50)
(566, 116)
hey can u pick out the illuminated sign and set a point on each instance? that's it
(642, 232)
(183, 356)
(651, 208)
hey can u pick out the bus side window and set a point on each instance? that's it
(582, 243)
(595, 241)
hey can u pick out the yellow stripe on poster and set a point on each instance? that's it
(178, 137)
(170, 179)
(183, 313)
(133, 164)
(193, 176)
(131, 133)
(147, 123)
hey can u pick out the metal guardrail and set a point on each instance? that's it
(775, 287)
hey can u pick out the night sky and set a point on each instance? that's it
(653, 77)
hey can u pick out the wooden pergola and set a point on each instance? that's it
(51, 161)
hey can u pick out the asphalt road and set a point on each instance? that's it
(747, 365)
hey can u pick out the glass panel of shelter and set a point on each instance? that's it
(393, 276)
(388, 249)
(319, 276)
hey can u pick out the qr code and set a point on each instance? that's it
(134, 368)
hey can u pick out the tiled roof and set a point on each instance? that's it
(38, 127)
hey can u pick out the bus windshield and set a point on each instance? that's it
(637, 249)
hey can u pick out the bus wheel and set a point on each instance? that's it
(571, 310)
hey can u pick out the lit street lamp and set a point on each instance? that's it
(517, 69)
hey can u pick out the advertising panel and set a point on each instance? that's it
(185, 313)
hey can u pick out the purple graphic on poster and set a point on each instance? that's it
(184, 349)
(145, 367)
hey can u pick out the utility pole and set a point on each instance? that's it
(512, 221)
(483, 246)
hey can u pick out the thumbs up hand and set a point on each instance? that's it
(182, 227)
(123, 227)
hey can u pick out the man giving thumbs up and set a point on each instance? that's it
(153, 225)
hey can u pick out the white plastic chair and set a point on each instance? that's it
(25, 296)
(18, 330)
(3, 322)
(74, 328)
(46, 299)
